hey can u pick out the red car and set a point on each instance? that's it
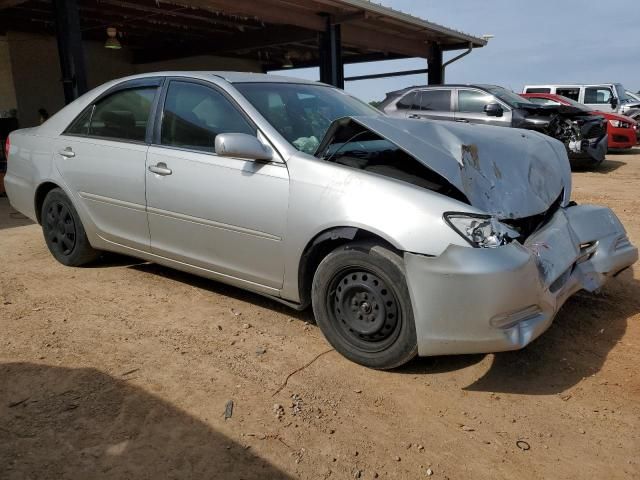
(623, 131)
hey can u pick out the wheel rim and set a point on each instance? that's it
(365, 310)
(61, 229)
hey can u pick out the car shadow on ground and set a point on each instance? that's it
(223, 289)
(576, 345)
(585, 166)
(84, 424)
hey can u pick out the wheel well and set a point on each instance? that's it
(323, 244)
(41, 193)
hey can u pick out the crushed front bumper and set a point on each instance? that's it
(477, 300)
(593, 148)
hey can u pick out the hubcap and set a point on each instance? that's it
(365, 309)
(61, 229)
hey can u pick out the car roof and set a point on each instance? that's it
(570, 84)
(231, 77)
(446, 85)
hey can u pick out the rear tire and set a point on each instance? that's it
(63, 231)
(362, 305)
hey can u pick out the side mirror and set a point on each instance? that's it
(614, 102)
(241, 145)
(493, 110)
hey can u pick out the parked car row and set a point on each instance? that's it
(607, 97)
(583, 134)
(585, 131)
(406, 237)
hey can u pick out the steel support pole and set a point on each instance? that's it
(435, 66)
(331, 63)
(70, 50)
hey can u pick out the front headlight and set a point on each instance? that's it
(619, 124)
(482, 231)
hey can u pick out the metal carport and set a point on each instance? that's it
(276, 33)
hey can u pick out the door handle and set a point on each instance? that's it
(160, 169)
(67, 152)
(462, 120)
(413, 115)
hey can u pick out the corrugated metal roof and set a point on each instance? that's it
(382, 10)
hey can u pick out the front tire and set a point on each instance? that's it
(63, 231)
(362, 305)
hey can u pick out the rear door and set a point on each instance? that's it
(433, 104)
(470, 108)
(224, 214)
(102, 158)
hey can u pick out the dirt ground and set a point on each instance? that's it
(123, 370)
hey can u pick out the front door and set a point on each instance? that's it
(471, 105)
(226, 215)
(599, 98)
(102, 158)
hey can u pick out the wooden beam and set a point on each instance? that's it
(273, 36)
(384, 42)
(352, 34)
(261, 10)
(348, 17)
(180, 13)
(4, 4)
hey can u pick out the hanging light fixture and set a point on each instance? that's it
(112, 39)
(287, 61)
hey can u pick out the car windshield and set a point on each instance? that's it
(302, 113)
(512, 99)
(622, 95)
(635, 97)
(573, 103)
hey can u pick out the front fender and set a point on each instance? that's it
(325, 195)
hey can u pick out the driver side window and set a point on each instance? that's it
(472, 101)
(195, 114)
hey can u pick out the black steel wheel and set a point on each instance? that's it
(365, 309)
(63, 230)
(60, 228)
(362, 305)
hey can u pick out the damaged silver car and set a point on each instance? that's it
(407, 238)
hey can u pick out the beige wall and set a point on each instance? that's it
(36, 70)
(7, 91)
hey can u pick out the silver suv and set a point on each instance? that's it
(583, 133)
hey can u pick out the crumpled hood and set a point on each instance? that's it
(507, 172)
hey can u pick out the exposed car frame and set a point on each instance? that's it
(622, 131)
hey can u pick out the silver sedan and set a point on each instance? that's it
(407, 237)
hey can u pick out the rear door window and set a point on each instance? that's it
(439, 100)
(123, 115)
(537, 90)
(570, 92)
(408, 102)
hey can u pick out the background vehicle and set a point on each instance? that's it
(606, 97)
(635, 97)
(622, 131)
(297, 191)
(583, 134)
